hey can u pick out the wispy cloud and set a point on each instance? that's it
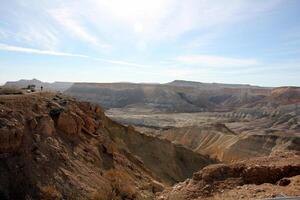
(121, 62)
(215, 61)
(39, 37)
(107, 24)
(149, 21)
(66, 18)
(5, 47)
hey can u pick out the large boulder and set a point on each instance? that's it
(69, 123)
(45, 125)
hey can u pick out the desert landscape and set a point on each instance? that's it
(180, 140)
(150, 100)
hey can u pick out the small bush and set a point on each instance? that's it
(121, 184)
(121, 187)
(50, 193)
(103, 194)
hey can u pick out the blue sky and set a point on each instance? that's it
(235, 41)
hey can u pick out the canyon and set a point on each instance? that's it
(179, 140)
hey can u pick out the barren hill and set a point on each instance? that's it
(217, 141)
(53, 147)
(177, 96)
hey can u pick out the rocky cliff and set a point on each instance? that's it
(53, 147)
(218, 141)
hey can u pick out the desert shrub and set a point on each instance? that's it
(103, 194)
(50, 193)
(121, 187)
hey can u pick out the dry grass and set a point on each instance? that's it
(121, 187)
(103, 194)
(121, 184)
(50, 193)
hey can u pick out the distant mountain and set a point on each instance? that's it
(177, 96)
(183, 83)
(56, 86)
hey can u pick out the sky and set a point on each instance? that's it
(236, 41)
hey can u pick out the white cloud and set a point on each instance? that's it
(39, 37)
(3, 34)
(154, 20)
(67, 19)
(215, 61)
(141, 22)
(5, 47)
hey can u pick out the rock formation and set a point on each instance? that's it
(53, 147)
(277, 175)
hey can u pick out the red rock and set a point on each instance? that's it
(69, 123)
(45, 125)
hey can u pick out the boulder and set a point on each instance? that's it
(45, 125)
(69, 123)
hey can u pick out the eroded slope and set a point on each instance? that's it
(53, 147)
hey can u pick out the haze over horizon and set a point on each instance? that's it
(248, 41)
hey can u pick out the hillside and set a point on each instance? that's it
(53, 147)
(219, 142)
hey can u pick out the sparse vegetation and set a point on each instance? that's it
(103, 194)
(121, 187)
(50, 192)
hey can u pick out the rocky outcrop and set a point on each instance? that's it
(219, 181)
(53, 147)
(69, 123)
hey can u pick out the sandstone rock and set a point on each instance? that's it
(157, 187)
(69, 123)
(245, 179)
(45, 125)
(89, 124)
